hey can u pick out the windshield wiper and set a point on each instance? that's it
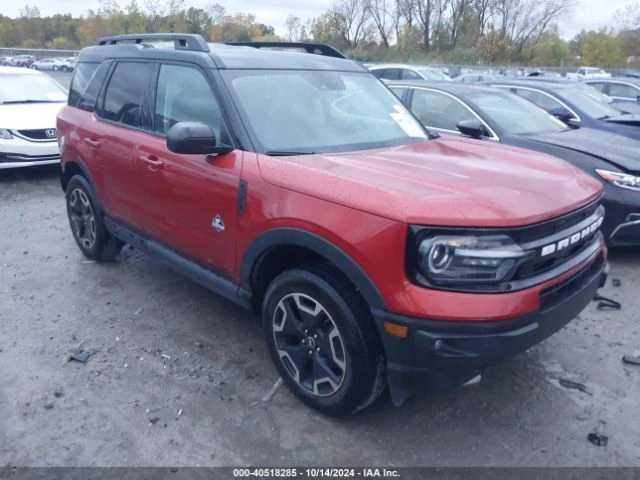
(284, 153)
(606, 117)
(8, 102)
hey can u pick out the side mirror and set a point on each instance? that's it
(472, 128)
(194, 138)
(561, 114)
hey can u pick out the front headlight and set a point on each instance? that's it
(482, 259)
(5, 134)
(622, 180)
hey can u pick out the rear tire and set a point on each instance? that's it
(323, 341)
(86, 222)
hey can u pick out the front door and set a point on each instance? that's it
(190, 201)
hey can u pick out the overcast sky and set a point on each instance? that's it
(589, 14)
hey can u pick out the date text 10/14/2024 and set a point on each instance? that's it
(315, 473)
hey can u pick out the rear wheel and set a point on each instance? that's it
(86, 223)
(323, 341)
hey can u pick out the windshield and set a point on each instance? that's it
(515, 115)
(25, 88)
(306, 111)
(433, 75)
(594, 103)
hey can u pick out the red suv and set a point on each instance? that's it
(298, 186)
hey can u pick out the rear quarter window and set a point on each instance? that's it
(86, 83)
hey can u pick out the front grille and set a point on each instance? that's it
(49, 134)
(552, 296)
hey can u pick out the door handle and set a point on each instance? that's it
(152, 162)
(92, 143)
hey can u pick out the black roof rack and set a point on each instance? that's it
(317, 48)
(181, 41)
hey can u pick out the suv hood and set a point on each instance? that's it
(29, 116)
(616, 149)
(449, 182)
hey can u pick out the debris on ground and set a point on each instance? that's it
(79, 355)
(566, 383)
(139, 311)
(154, 420)
(48, 405)
(631, 359)
(58, 393)
(616, 282)
(180, 412)
(269, 395)
(166, 356)
(87, 262)
(598, 439)
(604, 302)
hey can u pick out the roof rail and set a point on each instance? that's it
(181, 41)
(317, 48)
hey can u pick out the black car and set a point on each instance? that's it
(496, 115)
(575, 104)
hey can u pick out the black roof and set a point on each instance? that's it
(191, 47)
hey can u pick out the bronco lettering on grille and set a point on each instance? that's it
(572, 239)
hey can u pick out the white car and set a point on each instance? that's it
(29, 104)
(398, 71)
(588, 72)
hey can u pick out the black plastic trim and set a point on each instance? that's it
(242, 196)
(291, 236)
(182, 41)
(205, 277)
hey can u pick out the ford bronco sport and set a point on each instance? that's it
(297, 185)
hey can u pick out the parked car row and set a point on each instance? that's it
(29, 61)
(411, 241)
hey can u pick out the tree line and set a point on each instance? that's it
(447, 31)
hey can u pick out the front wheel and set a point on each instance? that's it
(56, 68)
(86, 222)
(323, 341)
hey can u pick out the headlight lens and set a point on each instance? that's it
(5, 134)
(468, 259)
(622, 180)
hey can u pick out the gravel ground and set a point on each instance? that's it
(178, 374)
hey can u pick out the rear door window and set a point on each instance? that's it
(125, 94)
(541, 99)
(622, 90)
(388, 73)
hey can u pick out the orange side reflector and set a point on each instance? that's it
(395, 329)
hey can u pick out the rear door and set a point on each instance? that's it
(190, 202)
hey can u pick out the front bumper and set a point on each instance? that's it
(441, 355)
(621, 226)
(18, 152)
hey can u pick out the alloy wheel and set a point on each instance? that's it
(82, 217)
(309, 344)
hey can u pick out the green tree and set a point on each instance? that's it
(602, 49)
(550, 51)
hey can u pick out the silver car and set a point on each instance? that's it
(47, 64)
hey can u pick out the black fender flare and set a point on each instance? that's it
(301, 238)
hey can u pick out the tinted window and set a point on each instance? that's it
(624, 91)
(184, 95)
(410, 75)
(81, 77)
(388, 73)
(398, 91)
(539, 98)
(125, 93)
(86, 85)
(437, 110)
(513, 114)
(598, 85)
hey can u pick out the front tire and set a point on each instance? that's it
(56, 68)
(86, 221)
(323, 341)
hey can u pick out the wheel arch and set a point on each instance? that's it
(78, 167)
(274, 243)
